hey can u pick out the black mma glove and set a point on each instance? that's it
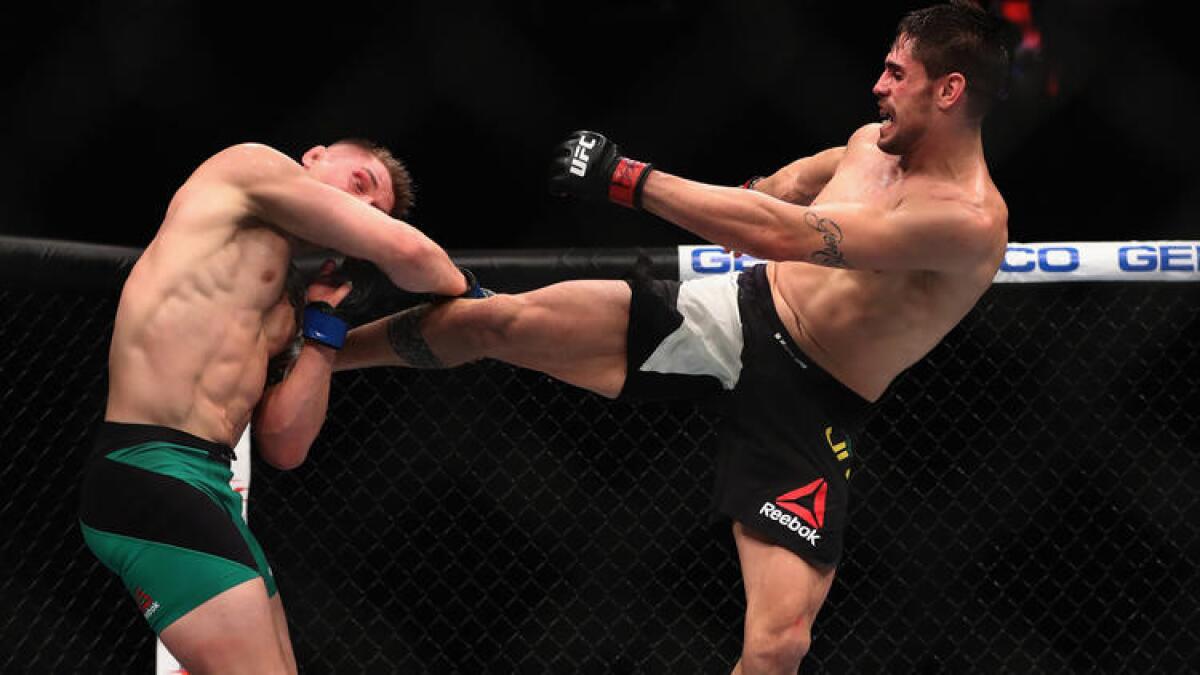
(589, 166)
(369, 292)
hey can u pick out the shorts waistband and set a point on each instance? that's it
(117, 435)
(755, 281)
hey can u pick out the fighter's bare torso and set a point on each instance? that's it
(201, 312)
(867, 326)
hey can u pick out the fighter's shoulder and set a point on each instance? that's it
(985, 206)
(953, 206)
(244, 163)
(997, 209)
(866, 134)
(218, 190)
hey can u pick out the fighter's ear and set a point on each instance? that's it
(313, 155)
(950, 89)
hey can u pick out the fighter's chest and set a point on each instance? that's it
(872, 179)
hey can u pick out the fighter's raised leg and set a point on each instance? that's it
(574, 331)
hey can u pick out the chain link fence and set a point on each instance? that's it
(1028, 503)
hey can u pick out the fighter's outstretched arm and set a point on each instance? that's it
(937, 233)
(929, 235)
(273, 188)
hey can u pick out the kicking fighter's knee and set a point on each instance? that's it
(778, 650)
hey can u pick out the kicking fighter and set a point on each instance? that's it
(880, 247)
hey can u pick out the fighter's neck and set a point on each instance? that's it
(952, 154)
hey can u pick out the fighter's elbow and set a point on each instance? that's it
(769, 235)
(280, 454)
(286, 465)
(282, 445)
(404, 261)
(776, 244)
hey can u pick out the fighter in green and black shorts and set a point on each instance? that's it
(157, 509)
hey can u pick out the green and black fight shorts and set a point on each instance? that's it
(157, 509)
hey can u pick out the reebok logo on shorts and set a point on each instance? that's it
(814, 515)
(807, 507)
(146, 604)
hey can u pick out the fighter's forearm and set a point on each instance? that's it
(427, 268)
(290, 414)
(738, 219)
(323, 215)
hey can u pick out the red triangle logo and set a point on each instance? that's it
(814, 513)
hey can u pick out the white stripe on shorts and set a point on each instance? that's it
(709, 341)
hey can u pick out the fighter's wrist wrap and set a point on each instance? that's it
(323, 325)
(749, 185)
(589, 166)
(627, 182)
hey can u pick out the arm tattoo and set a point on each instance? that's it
(404, 335)
(831, 254)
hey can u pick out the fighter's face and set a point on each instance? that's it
(354, 170)
(906, 103)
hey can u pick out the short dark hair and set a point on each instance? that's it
(402, 185)
(960, 36)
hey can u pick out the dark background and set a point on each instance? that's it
(108, 106)
(1029, 503)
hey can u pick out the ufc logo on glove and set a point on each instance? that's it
(579, 161)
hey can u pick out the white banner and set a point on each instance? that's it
(164, 663)
(1046, 262)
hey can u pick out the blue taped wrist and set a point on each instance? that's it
(322, 326)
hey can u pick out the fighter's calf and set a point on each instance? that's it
(449, 334)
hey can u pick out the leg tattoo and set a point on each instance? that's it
(404, 334)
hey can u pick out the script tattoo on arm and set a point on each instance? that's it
(404, 335)
(831, 254)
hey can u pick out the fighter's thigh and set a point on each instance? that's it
(281, 630)
(174, 543)
(782, 589)
(574, 331)
(232, 632)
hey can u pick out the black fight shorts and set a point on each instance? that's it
(787, 432)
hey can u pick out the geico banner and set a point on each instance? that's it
(1047, 262)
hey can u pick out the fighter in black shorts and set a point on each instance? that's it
(786, 429)
(881, 247)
